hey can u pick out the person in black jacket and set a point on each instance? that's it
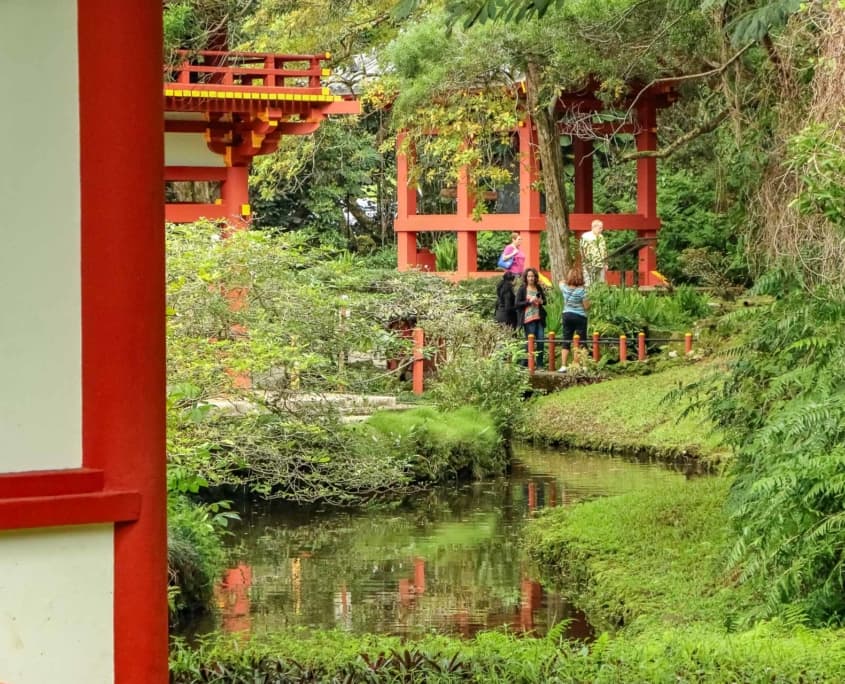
(531, 310)
(505, 302)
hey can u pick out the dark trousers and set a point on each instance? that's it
(574, 323)
(535, 328)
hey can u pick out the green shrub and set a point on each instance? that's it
(490, 383)
(439, 444)
(195, 555)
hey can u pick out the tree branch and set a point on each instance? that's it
(688, 77)
(681, 140)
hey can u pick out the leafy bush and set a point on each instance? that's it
(195, 556)
(615, 311)
(491, 383)
(782, 407)
(676, 654)
(438, 444)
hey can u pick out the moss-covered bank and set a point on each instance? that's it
(628, 414)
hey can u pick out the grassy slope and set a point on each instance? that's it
(627, 414)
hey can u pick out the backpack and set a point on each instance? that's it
(506, 262)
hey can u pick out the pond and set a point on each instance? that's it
(450, 561)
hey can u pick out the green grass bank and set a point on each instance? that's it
(629, 413)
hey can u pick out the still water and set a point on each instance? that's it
(450, 561)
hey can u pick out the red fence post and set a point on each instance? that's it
(419, 342)
(551, 355)
(688, 343)
(641, 347)
(623, 349)
(596, 350)
(531, 354)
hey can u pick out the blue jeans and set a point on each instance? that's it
(535, 328)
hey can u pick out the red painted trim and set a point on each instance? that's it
(194, 173)
(188, 213)
(50, 483)
(69, 509)
(123, 346)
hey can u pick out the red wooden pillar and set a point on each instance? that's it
(406, 250)
(647, 184)
(529, 195)
(406, 205)
(531, 248)
(123, 347)
(235, 196)
(467, 253)
(583, 175)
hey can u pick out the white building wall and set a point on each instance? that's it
(189, 149)
(40, 335)
(56, 605)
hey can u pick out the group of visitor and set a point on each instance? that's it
(525, 307)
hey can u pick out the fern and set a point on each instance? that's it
(782, 407)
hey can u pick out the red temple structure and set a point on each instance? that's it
(222, 109)
(579, 118)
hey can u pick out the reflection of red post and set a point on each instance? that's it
(234, 600)
(532, 496)
(405, 592)
(531, 594)
(552, 494)
(419, 575)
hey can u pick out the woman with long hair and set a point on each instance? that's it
(531, 311)
(575, 305)
(505, 301)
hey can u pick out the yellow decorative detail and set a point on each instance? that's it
(265, 96)
(218, 201)
(325, 91)
(325, 72)
(328, 55)
(246, 210)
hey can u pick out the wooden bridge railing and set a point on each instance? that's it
(298, 73)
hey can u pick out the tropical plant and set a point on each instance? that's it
(782, 408)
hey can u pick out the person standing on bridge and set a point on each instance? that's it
(594, 254)
(531, 310)
(575, 305)
(506, 302)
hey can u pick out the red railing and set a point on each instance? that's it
(419, 357)
(295, 73)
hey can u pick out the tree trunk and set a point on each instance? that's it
(551, 159)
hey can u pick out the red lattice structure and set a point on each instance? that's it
(581, 110)
(222, 109)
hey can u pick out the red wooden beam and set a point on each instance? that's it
(50, 483)
(71, 509)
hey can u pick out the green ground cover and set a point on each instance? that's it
(628, 414)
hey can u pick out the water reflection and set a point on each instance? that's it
(449, 562)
